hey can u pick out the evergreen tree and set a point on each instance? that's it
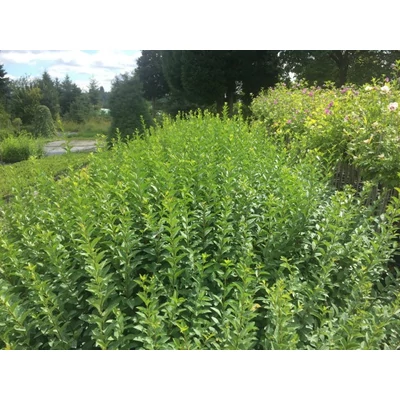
(209, 77)
(149, 71)
(80, 108)
(50, 97)
(69, 92)
(4, 85)
(104, 96)
(94, 93)
(127, 106)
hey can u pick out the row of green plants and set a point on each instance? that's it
(203, 234)
(358, 126)
(17, 177)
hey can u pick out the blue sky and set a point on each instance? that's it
(80, 65)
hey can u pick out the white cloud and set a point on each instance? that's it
(103, 65)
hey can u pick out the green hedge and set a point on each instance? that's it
(19, 148)
(202, 235)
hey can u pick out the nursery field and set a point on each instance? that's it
(17, 177)
(207, 233)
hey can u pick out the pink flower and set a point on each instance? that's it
(304, 91)
(344, 90)
(387, 79)
(328, 111)
(275, 101)
(393, 106)
(289, 121)
(330, 104)
(311, 94)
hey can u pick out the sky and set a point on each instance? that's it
(80, 65)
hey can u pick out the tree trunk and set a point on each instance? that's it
(342, 60)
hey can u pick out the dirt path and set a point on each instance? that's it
(57, 147)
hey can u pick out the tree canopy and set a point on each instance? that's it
(208, 77)
(127, 106)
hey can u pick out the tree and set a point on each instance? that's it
(4, 84)
(127, 106)
(150, 73)
(213, 77)
(25, 99)
(69, 92)
(80, 108)
(94, 93)
(50, 96)
(104, 97)
(339, 66)
(43, 122)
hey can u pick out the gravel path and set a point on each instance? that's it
(57, 147)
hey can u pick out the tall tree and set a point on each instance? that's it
(80, 108)
(104, 97)
(206, 77)
(69, 92)
(94, 92)
(127, 106)
(150, 73)
(50, 97)
(4, 84)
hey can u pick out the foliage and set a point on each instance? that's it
(206, 77)
(201, 235)
(14, 149)
(128, 108)
(19, 176)
(339, 66)
(4, 85)
(149, 70)
(355, 125)
(80, 109)
(43, 123)
(94, 92)
(25, 99)
(49, 94)
(99, 125)
(5, 118)
(68, 93)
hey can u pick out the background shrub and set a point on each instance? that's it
(19, 148)
(43, 123)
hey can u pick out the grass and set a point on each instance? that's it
(88, 130)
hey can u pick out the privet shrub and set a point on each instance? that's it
(43, 125)
(23, 174)
(19, 148)
(200, 236)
